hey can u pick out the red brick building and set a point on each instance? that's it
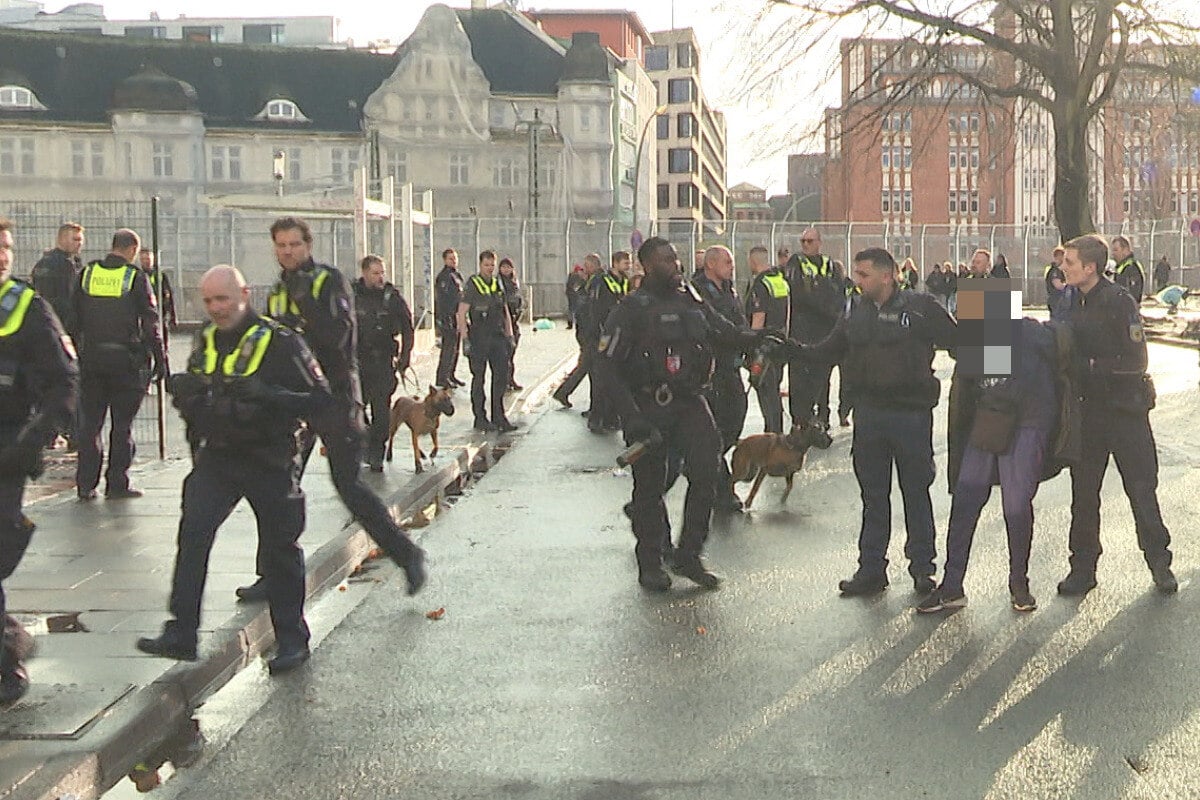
(620, 31)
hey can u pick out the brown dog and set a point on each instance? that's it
(777, 454)
(421, 417)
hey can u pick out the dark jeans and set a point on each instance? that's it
(448, 356)
(378, 385)
(489, 352)
(727, 401)
(1128, 439)
(687, 427)
(512, 355)
(583, 368)
(14, 540)
(769, 398)
(1019, 472)
(883, 437)
(98, 394)
(808, 392)
(217, 482)
(845, 405)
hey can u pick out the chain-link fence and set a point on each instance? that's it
(545, 250)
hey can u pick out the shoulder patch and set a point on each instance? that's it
(1137, 333)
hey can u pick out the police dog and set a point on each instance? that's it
(421, 417)
(778, 454)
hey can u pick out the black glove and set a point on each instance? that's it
(251, 388)
(22, 458)
(158, 371)
(186, 384)
(298, 283)
(779, 348)
(640, 429)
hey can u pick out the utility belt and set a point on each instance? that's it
(664, 394)
(113, 357)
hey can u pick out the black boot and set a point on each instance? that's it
(254, 593)
(695, 570)
(1079, 581)
(1164, 579)
(171, 644)
(653, 578)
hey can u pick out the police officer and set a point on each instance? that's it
(657, 355)
(604, 291)
(1055, 283)
(981, 265)
(515, 302)
(448, 293)
(817, 298)
(56, 274)
(120, 352)
(885, 343)
(38, 384)
(249, 380)
(768, 304)
(382, 315)
(726, 394)
(484, 316)
(587, 345)
(1117, 397)
(155, 274)
(315, 300)
(1128, 272)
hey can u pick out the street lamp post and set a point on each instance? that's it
(637, 166)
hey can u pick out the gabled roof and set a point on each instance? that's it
(515, 56)
(77, 76)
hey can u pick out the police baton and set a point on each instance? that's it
(631, 454)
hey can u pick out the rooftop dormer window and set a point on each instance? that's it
(19, 98)
(281, 110)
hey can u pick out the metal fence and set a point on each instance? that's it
(545, 250)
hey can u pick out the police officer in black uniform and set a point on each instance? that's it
(583, 333)
(515, 302)
(604, 291)
(56, 274)
(657, 355)
(484, 316)
(248, 382)
(315, 300)
(817, 299)
(120, 352)
(1117, 397)
(382, 315)
(39, 380)
(726, 394)
(155, 274)
(448, 293)
(1129, 272)
(885, 344)
(768, 305)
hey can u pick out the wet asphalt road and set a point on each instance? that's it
(552, 676)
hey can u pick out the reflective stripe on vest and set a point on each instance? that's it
(484, 288)
(245, 358)
(776, 284)
(618, 287)
(15, 298)
(811, 270)
(1124, 265)
(279, 304)
(102, 281)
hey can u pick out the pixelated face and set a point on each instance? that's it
(291, 251)
(6, 252)
(487, 267)
(373, 276)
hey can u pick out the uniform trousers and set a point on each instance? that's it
(770, 401)
(15, 533)
(808, 392)
(378, 385)
(1128, 439)
(217, 482)
(727, 401)
(448, 356)
(99, 394)
(489, 352)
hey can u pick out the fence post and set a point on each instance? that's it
(775, 248)
(1025, 258)
(849, 256)
(160, 398)
(924, 261)
(611, 229)
(567, 245)
(232, 243)
(525, 264)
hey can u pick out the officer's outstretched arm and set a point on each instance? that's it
(830, 350)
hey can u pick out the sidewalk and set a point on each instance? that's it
(96, 705)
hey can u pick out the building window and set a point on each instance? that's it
(992, 206)
(343, 163)
(16, 156)
(163, 160)
(664, 195)
(87, 159)
(975, 158)
(145, 32)
(459, 166)
(953, 159)
(885, 204)
(687, 195)
(585, 119)
(16, 97)
(953, 203)
(282, 109)
(683, 55)
(397, 165)
(681, 90)
(546, 176)
(887, 158)
(203, 33)
(908, 201)
(686, 125)
(294, 162)
(907, 157)
(657, 58)
(664, 126)
(681, 160)
(263, 34)
(974, 202)
(506, 173)
(226, 163)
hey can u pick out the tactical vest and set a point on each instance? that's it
(810, 270)
(776, 284)
(15, 297)
(486, 314)
(620, 287)
(101, 281)
(279, 305)
(244, 360)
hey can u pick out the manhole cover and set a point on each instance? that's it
(58, 711)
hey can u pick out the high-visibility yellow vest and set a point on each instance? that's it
(245, 359)
(485, 288)
(776, 284)
(811, 270)
(101, 281)
(280, 305)
(618, 287)
(15, 297)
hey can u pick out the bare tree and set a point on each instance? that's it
(1065, 57)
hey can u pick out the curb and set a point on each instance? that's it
(145, 719)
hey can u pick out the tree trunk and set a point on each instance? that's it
(1072, 201)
